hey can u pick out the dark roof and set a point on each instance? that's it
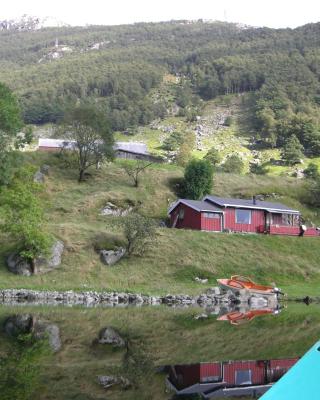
(198, 205)
(258, 205)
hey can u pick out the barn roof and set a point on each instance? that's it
(132, 147)
(198, 205)
(254, 205)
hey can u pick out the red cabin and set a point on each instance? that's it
(219, 214)
(227, 379)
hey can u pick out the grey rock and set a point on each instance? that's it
(18, 325)
(47, 264)
(111, 257)
(42, 330)
(39, 177)
(45, 169)
(107, 381)
(201, 317)
(112, 209)
(109, 335)
(18, 265)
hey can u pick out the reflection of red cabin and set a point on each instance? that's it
(236, 215)
(231, 378)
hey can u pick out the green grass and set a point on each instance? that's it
(171, 263)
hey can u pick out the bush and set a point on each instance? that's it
(213, 156)
(197, 179)
(139, 231)
(233, 164)
(312, 171)
(22, 216)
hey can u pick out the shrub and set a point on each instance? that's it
(312, 171)
(292, 151)
(233, 164)
(213, 156)
(197, 179)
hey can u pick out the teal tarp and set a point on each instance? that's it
(301, 382)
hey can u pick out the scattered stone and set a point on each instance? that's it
(112, 209)
(197, 279)
(201, 317)
(45, 169)
(18, 265)
(107, 381)
(258, 302)
(38, 177)
(111, 336)
(111, 257)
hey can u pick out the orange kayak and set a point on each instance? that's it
(238, 318)
(238, 282)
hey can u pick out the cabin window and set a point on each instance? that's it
(181, 213)
(243, 377)
(211, 215)
(243, 216)
(290, 219)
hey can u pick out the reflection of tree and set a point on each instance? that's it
(20, 368)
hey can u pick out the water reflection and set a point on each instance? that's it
(227, 379)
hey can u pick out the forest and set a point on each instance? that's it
(118, 68)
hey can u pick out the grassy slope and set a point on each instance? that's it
(178, 256)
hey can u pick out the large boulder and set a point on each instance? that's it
(41, 265)
(109, 335)
(111, 257)
(27, 324)
(18, 325)
(47, 264)
(18, 265)
(43, 329)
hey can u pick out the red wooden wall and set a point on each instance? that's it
(257, 221)
(210, 369)
(211, 224)
(257, 371)
(192, 218)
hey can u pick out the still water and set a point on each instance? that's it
(67, 353)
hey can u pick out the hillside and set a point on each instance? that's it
(177, 256)
(143, 73)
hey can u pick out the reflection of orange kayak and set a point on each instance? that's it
(237, 317)
(237, 282)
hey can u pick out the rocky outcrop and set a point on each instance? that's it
(213, 297)
(45, 169)
(110, 335)
(41, 265)
(107, 381)
(112, 209)
(24, 324)
(111, 257)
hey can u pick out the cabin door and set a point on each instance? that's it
(268, 221)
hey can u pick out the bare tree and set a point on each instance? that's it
(89, 137)
(134, 169)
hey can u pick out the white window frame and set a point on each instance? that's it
(250, 216)
(181, 214)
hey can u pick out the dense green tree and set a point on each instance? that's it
(139, 231)
(292, 151)
(213, 156)
(233, 164)
(22, 215)
(312, 171)
(88, 131)
(198, 179)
